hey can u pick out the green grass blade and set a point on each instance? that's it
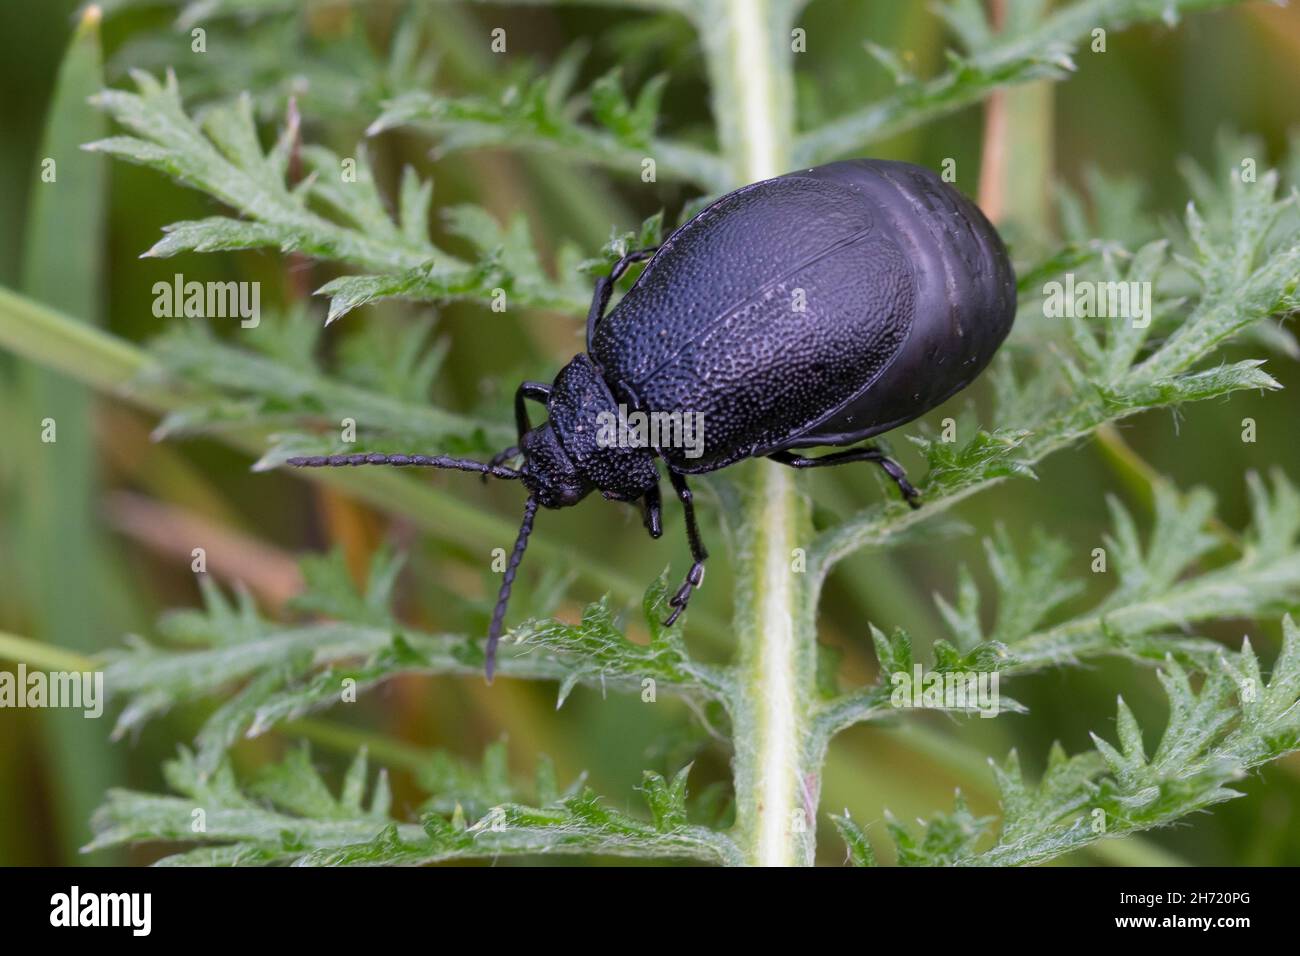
(66, 584)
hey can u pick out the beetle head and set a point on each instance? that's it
(548, 472)
(583, 426)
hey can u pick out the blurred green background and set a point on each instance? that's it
(84, 555)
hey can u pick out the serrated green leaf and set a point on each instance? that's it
(859, 848)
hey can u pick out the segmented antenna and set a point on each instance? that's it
(494, 469)
(503, 596)
(427, 461)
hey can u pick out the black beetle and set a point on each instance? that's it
(817, 308)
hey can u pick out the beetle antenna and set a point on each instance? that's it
(428, 461)
(503, 596)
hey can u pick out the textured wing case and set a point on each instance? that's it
(965, 294)
(765, 314)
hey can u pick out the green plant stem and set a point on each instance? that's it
(749, 63)
(28, 651)
(347, 740)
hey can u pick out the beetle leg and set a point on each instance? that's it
(605, 287)
(503, 456)
(538, 392)
(892, 468)
(695, 576)
(652, 511)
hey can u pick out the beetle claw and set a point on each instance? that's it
(909, 492)
(678, 602)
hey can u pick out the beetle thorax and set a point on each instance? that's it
(582, 409)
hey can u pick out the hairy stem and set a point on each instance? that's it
(775, 782)
(747, 45)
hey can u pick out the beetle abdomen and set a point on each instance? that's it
(966, 298)
(763, 314)
(820, 307)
